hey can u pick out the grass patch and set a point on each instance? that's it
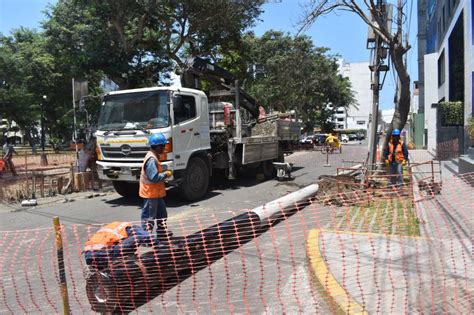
(388, 216)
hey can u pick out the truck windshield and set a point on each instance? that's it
(134, 111)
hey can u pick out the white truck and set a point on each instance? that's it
(205, 134)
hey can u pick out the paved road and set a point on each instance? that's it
(267, 274)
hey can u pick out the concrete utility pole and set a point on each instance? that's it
(375, 86)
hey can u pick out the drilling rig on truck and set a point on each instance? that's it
(219, 132)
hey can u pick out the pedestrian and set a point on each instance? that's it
(396, 156)
(152, 188)
(333, 142)
(8, 151)
(115, 241)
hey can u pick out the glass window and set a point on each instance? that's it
(441, 69)
(184, 110)
(134, 110)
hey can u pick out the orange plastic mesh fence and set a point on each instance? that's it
(358, 253)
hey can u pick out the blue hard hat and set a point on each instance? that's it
(395, 132)
(157, 139)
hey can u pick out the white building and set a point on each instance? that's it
(446, 66)
(356, 117)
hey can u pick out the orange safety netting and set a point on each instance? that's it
(375, 250)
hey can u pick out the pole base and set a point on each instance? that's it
(327, 165)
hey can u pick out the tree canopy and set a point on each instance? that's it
(134, 42)
(24, 67)
(138, 43)
(35, 82)
(293, 74)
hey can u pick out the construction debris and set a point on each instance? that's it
(336, 189)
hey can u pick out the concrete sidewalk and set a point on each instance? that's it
(386, 275)
(449, 214)
(376, 273)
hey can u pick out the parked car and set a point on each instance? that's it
(320, 138)
(344, 138)
(352, 137)
(307, 140)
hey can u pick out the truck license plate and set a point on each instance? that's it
(126, 171)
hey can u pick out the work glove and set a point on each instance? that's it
(168, 174)
(387, 162)
(404, 163)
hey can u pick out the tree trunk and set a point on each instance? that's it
(402, 108)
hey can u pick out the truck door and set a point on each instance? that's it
(186, 128)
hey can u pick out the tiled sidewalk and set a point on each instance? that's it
(377, 273)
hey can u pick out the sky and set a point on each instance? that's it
(343, 33)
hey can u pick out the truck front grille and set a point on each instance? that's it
(124, 151)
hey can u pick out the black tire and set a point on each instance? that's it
(195, 180)
(102, 293)
(268, 170)
(126, 189)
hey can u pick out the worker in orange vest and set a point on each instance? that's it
(114, 241)
(152, 188)
(396, 156)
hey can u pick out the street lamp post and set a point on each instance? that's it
(44, 159)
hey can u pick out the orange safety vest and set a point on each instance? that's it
(108, 235)
(399, 157)
(149, 189)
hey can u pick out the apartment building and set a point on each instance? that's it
(356, 117)
(446, 66)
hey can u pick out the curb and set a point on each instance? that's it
(338, 299)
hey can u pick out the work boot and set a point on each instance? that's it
(162, 231)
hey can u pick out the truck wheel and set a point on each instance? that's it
(195, 180)
(126, 189)
(268, 169)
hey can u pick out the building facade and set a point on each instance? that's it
(356, 117)
(445, 62)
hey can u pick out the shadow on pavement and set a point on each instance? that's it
(172, 200)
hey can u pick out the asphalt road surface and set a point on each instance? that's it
(265, 275)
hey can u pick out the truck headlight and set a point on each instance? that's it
(98, 152)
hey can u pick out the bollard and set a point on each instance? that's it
(33, 190)
(327, 158)
(60, 184)
(42, 184)
(61, 267)
(26, 165)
